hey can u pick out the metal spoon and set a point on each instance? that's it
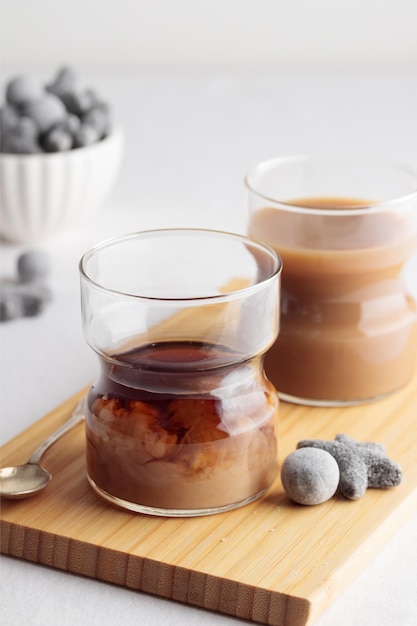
(22, 481)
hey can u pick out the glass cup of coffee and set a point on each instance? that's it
(181, 420)
(346, 230)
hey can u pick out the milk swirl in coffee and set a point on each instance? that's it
(181, 426)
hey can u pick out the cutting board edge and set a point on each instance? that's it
(169, 581)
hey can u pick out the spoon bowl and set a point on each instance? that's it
(25, 480)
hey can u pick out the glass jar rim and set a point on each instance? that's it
(346, 210)
(214, 298)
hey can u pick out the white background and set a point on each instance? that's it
(202, 89)
(348, 34)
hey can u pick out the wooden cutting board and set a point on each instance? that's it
(271, 562)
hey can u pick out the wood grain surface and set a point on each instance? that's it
(271, 562)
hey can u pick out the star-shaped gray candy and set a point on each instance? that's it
(361, 464)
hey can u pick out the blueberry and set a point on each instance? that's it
(57, 140)
(22, 138)
(99, 118)
(27, 127)
(32, 266)
(85, 136)
(61, 135)
(92, 96)
(46, 112)
(8, 118)
(23, 89)
(62, 115)
(15, 143)
(65, 82)
(79, 102)
(71, 123)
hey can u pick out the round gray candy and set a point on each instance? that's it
(310, 476)
(33, 266)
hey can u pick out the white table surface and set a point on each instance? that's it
(190, 138)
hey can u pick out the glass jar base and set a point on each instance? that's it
(313, 402)
(161, 512)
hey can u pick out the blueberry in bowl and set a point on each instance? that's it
(60, 155)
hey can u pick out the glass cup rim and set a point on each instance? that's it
(356, 209)
(215, 298)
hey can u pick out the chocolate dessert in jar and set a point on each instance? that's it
(181, 420)
(346, 230)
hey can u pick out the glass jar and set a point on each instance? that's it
(181, 420)
(346, 230)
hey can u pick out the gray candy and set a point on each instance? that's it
(361, 464)
(22, 300)
(23, 89)
(46, 111)
(35, 297)
(11, 304)
(29, 296)
(33, 266)
(310, 476)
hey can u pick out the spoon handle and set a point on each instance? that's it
(77, 416)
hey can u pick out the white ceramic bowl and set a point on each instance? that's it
(45, 194)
